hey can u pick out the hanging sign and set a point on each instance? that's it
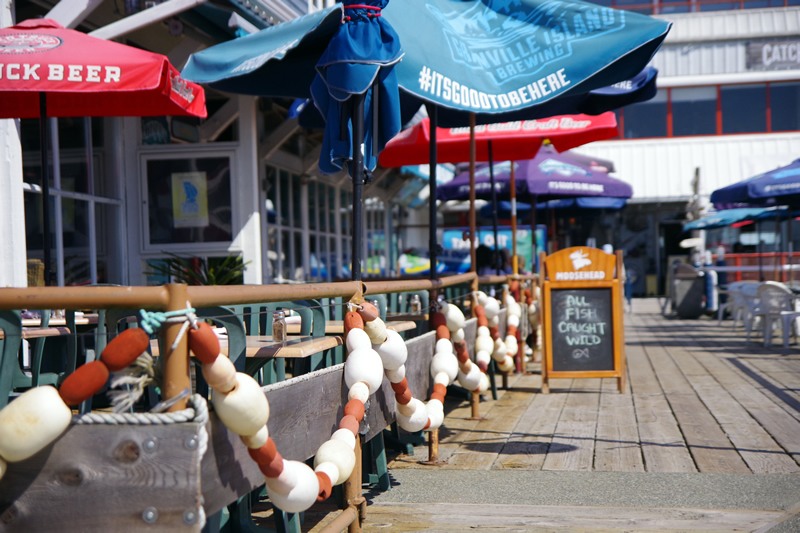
(582, 327)
(189, 199)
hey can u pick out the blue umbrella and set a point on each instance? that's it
(720, 219)
(343, 58)
(776, 187)
(473, 56)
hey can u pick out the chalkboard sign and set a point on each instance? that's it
(583, 333)
(582, 329)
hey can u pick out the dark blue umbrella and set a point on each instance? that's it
(343, 58)
(776, 187)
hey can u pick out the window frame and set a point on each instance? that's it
(195, 248)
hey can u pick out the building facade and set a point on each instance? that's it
(112, 198)
(728, 108)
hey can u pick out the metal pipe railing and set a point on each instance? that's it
(386, 287)
(84, 298)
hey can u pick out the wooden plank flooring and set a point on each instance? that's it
(699, 399)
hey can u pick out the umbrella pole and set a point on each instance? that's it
(534, 251)
(43, 136)
(358, 185)
(776, 247)
(758, 250)
(433, 116)
(789, 245)
(514, 263)
(494, 210)
(472, 222)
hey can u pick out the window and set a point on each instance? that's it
(647, 119)
(285, 251)
(784, 101)
(694, 111)
(744, 108)
(188, 200)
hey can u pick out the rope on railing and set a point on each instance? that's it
(197, 413)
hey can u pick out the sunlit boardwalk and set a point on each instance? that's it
(700, 399)
(707, 438)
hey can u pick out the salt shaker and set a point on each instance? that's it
(416, 304)
(278, 326)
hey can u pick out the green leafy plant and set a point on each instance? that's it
(201, 271)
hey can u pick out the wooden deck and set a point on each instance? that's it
(700, 399)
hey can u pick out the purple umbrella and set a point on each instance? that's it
(547, 176)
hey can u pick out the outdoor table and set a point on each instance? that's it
(85, 320)
(262, 346)
(38, 333)
(336, 327)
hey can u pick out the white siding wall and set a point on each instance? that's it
(736, 24)
(714, 42)
(661, 169)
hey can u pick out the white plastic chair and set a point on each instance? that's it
(775, 299)
(734, 304)
(749, 294)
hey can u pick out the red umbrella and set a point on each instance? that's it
(49, 71)
(85, 76)
(510, 140)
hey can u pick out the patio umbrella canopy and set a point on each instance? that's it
(726, 217)
(84, 76)
(505, 210)
(776, 187)
(510, 140)
(473, 56)
(50, 71)
(549, 175)
(639, 88)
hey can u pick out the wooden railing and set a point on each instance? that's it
(176, 297)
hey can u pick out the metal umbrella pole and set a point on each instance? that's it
(432, 242)
(43, 137)
(789, 245)
(758, 250)
(534, 251)
(358, 185)
(472, 222)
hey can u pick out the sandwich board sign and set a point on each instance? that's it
(582, 325)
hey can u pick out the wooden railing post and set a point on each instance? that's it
(176, 362)
(352, 491)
